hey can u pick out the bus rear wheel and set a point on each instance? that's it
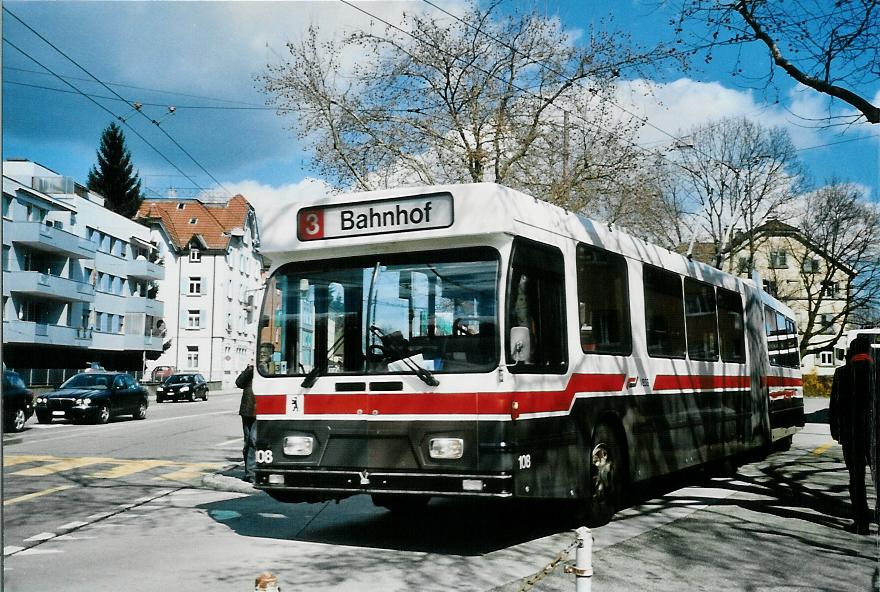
(607, 475)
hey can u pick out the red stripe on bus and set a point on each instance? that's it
(676, 382)
(446, 403)
(271, 404)
(786, 394)
(784, 381)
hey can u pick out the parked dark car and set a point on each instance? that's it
(95, 397)
(183, 385)
(18, 402)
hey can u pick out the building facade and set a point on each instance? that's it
(80, 282)
(800, 273)
(213, 281)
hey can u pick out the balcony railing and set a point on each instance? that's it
(51, 239)
(16, 331)
(47, 286)
(59, 185)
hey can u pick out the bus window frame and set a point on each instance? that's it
(680, 277)
(398, 257)
(520, 242)
(627, 302)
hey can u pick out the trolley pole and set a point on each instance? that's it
(583, 563)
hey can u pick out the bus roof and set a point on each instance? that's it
(475, 209)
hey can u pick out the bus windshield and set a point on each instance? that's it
(389, 313)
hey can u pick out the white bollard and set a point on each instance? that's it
(583, 562)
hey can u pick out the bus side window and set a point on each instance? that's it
(536, 300)
(730, 326)
(664, 313)
(603, 302)
(701, 320)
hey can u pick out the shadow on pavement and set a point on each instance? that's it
(457, 527)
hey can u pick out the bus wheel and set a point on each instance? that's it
(607, 473)
(783, 444)
(401, 504)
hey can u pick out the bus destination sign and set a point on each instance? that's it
(376, 217)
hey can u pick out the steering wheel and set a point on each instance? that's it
(375, 353)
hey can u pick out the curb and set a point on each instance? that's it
(221, 482)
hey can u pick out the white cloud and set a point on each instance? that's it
(276, 208)
(677, 107)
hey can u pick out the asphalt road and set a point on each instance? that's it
(128, 506)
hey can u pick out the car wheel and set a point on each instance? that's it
(16, 421)
(607, 474)
(141, 412)
(192, 397)
(103, 414)
(160, 400)
(44, 417)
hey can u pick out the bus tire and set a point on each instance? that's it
(607, 466)
(401, 504)
(782, 445)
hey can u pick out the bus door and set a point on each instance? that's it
(546, 440)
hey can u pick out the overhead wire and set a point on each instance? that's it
(132, 104)
(114, 115)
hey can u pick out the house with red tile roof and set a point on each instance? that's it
(213, 282)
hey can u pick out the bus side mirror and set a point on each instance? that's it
(520, 344)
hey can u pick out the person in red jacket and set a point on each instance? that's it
(853, 424)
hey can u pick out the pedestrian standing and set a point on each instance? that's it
(851, 415)
(247, 411)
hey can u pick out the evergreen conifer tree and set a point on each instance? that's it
(112, 177)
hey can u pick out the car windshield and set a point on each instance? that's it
(180, 379)
(382, 314)
(89, 380)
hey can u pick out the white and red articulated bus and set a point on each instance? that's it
(470, 340)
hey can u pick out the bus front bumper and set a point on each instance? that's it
(314, 484)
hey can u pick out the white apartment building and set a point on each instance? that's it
(213, 282)
(79, 281)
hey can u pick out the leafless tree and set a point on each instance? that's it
(480, 97)
(837, 258)
(831, 47)
(736, 174)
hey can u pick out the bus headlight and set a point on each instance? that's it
(447, 448)
(298, 445)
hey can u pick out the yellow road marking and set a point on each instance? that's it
(190, 472)
(12, 460)
(127, 468)
(63, 465)
(821, 449)
(30, 496)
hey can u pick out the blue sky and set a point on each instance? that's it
(201, 57)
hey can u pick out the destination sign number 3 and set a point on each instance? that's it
(376, 217)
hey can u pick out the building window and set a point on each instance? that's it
(181, 206)
(6, 251)
(811, 265)
(770, 287)
(778, 259)
(193, 319)
(830, 289)
(7, 205)
(195, 285)
(742, 265)
(194, 221)
(826, 358)
(195, 255)
(192, 356)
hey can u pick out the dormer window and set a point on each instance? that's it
(193, 220)
(195, 255)
(181, 206)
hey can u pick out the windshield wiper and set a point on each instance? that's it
(425, 375)
(311, 377)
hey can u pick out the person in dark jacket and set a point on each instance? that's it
(851, 415)
(248, 413)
